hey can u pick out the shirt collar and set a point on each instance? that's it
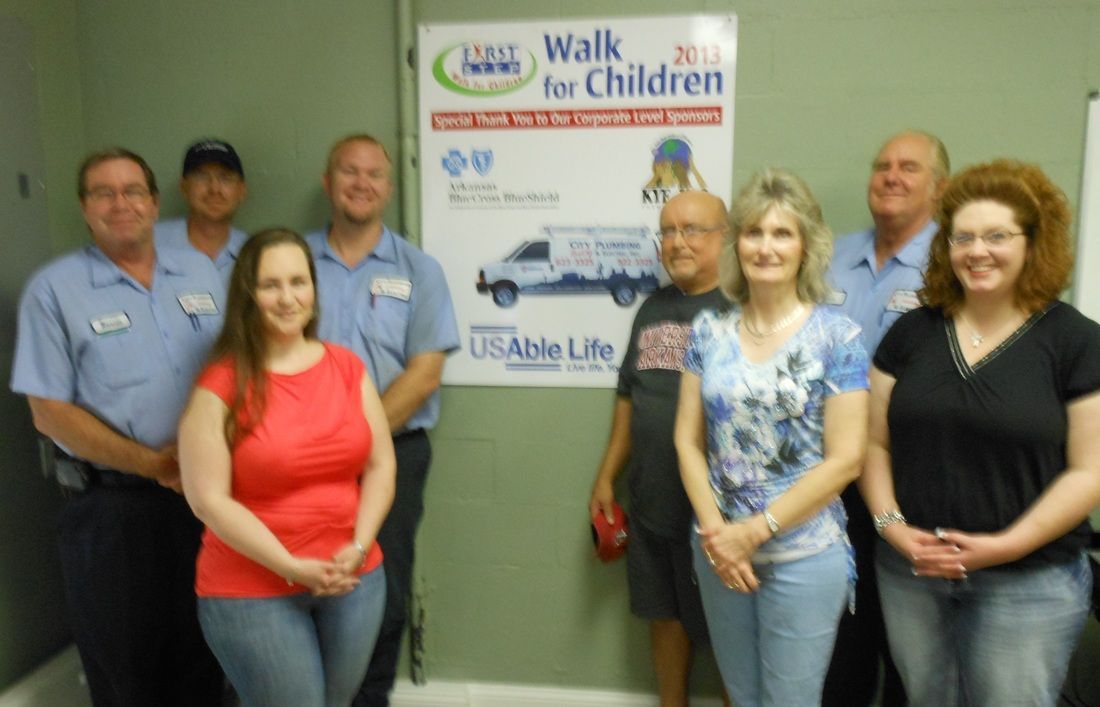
(915, 252)
(385, 250)
(105, 272)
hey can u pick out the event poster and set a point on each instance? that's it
(547, 149)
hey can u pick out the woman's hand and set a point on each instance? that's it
(729, 548)
(930, 553)
(976, 551)
(322, 578)
(349, 559)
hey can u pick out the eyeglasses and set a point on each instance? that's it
(992, 240)
(132, 194)
(690, 232)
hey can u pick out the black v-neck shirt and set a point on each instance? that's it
(974, 445)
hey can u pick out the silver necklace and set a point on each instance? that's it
(759, 336)
(976, 338)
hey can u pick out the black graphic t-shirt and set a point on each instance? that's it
(650, 377)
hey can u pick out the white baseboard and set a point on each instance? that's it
(455, 694)
(59, 683)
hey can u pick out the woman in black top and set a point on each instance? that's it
(984, 455)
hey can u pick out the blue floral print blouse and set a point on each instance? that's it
(765, 421)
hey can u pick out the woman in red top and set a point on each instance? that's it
(287, 458)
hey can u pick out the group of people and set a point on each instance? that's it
(878, 452)
(882, 452)
(276, 389)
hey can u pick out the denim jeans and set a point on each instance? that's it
(773, 646)
(1000, 637)
(297, 650)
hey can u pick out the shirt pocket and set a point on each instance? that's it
(384, 323)
(117, 361)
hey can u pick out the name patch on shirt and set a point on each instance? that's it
(902, 301)
(198, 303)
(110, 323)
(836, 297)
(396, 287)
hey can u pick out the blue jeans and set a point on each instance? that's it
(297, 650)
(1001, 637)
(773, 646)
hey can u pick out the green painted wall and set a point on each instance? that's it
(509, 586)
(32, 620)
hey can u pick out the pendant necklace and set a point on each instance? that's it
(976, 338)
(759, 336)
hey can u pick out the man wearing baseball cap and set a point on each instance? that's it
(213, 186)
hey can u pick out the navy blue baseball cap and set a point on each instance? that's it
(212, 151)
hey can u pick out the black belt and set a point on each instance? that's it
(410, 433)
(77, 475)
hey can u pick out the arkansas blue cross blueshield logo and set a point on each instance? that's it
(483, 161)
(454, 163)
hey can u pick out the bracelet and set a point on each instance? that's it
(773, 524)
(882, 522)
(359, 547)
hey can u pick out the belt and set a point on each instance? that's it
(76, 475)
(420, 431)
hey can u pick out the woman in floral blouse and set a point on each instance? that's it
(771, 426)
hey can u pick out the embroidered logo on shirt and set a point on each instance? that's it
(396, 287)
(110, 323)
(662, 345)
(198, 303)
(902, 301)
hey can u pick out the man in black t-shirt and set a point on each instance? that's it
(662, 587)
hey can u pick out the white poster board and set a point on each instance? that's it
(1086, 280)
(547, 149)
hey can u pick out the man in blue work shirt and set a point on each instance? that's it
(213, 186)
(875, 275)
(109, 340)
(388, 302)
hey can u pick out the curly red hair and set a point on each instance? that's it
(1041, 210)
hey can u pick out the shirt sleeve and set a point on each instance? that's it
(626, 370)
(700, 334)
(432, 325)
(43, 365)
(846, 365)
(351, 368)
(1080, 354)
(891, 353)
(220, 379)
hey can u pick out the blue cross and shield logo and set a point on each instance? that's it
(482, 161)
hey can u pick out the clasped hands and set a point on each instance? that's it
(948, 553)
(729, 548)
(329, 578)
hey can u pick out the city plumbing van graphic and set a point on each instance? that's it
(620, 260)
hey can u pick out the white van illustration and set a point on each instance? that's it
(622, 260)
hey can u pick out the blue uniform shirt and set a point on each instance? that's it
(387, 308)
(874, 298)
(90, 335)
(172, 233)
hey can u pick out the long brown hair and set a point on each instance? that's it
(242, 338)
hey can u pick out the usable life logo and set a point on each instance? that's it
(484, 68)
